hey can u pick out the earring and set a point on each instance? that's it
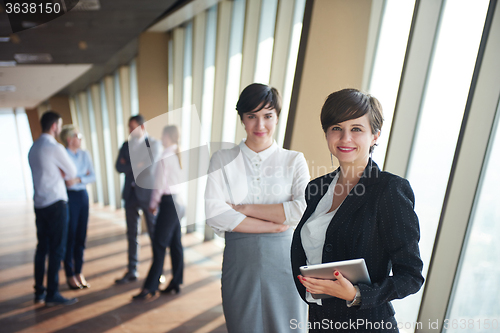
(371, 156)
(331, 158)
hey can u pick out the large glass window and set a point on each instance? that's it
(233, 70)
(120, 130)
(95, 147)
(298, 15)
(475, 301)
(15, 142)
(439, 123)
(187, 99)
(207, 103)
(108, 152)
(265, 41)
(388, 63)
(134, 89)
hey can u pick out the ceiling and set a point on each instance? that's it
(35, 83)
(90, 44)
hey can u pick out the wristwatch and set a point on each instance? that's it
(357, 299)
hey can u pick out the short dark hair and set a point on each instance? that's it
(256, 97)
(138, 119)
(48, 119)
(347, 104)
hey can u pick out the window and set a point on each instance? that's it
(388, 64)
(439, 124)
(477, 287)
(15, 142)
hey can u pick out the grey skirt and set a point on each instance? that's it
(258, 291)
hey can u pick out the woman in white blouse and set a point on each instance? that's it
(254, 193)
(168, 229)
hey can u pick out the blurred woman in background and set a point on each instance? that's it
(165, 200)
(78, 204)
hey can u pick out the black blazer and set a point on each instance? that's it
(145, 181)
(376, 222)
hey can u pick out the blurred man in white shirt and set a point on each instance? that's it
(50, 167)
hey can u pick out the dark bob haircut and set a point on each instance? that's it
(256, 97)
(347, 104)
(48, 119)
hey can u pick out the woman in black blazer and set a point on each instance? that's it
(357, 211)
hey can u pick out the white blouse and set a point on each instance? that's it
(168, 174)
(242, 176)
(313, 232)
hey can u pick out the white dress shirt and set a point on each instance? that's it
(168, 174)
(242, 176)
(313, 232)
(47, 158)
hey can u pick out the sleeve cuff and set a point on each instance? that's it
(237, 221)
(288, 214)
(221, 228)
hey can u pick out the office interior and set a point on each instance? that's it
(433, 64)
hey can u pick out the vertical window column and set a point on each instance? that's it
(83, 118)
(469, 180)
(109, 88)
(199, 30)
(186, 123)
(206, 110)
(95, 133)
(108, 151)
(231, 118)
(388, 64)
(282, 76)
(121, 128)
(221, 64)
(124, 89)
(134, 92)
(249, 55)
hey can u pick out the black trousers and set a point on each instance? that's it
(167, 234)
(52, 233)
(132, 206)
(78, 203)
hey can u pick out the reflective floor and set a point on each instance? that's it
(106, 307)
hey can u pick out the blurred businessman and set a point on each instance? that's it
(50, 167)
(136, 157)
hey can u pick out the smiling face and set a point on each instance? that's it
(260, 127)
(350, 141)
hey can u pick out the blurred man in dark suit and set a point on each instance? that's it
(137, 157)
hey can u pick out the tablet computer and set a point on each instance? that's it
(353, 270)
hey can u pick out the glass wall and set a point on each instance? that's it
(388, 64)
(440, 118)
(15, 142)
(475, 298)
(298, 15)
(108, 151)
(265, 41)
(233, 70)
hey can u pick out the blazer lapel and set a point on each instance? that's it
(355, 199)
(316, 193)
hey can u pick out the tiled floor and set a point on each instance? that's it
(106, 307)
